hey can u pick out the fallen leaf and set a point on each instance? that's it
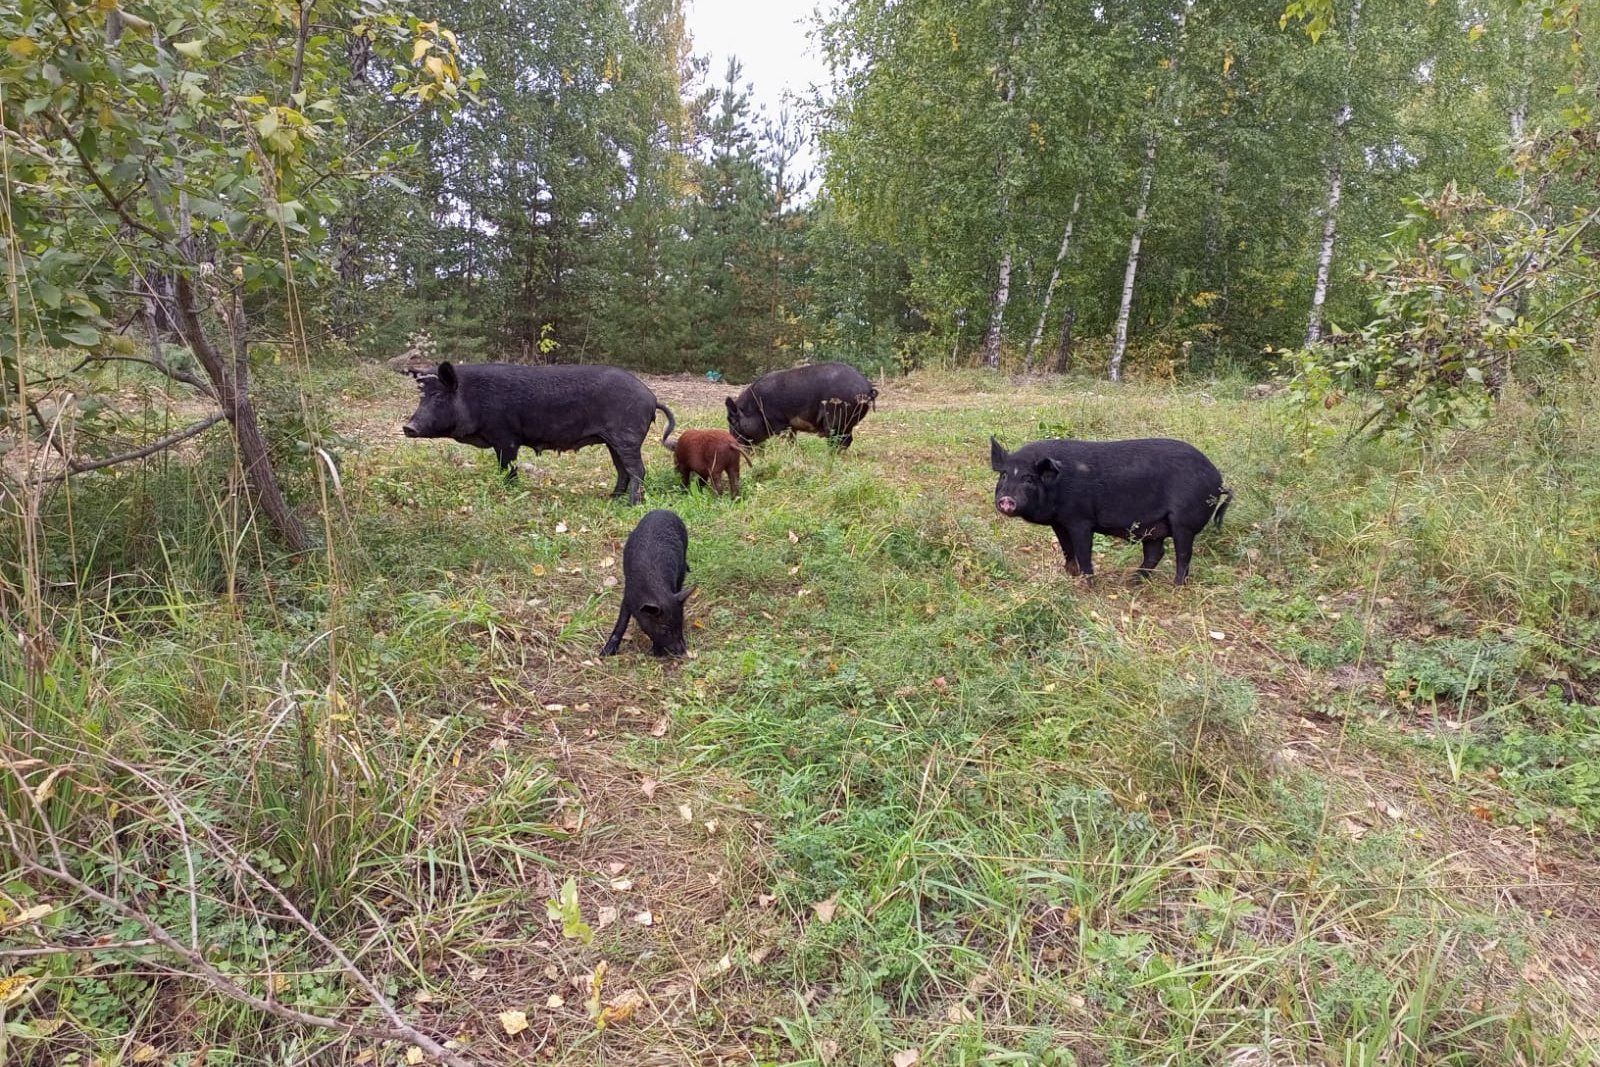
(1218, 635)
(28, 915)
(794, 538)
(606, 917)
(906, 1058)
(415, 1055)
(554, 1000)
(609, 561)
(620, 1007)
(645, 918)
(12, 986)
(513, 1022)
(766, 900)
(827, 1050)
(366, 1055)
(825, 909)
(616, 867)
(959, 1013)
(660, 727)
(538, 570)
(1483, 812)
(145, 1054)
(422, 996)
(711, 826)
(552, 972)
(648, 786)
(760, 955)
(941, 683)
(622, 885)
(610, 581)
(561, 527)
(687, 812)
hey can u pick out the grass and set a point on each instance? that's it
(1334, 802)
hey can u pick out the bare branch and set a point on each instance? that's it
(163, 366)
(63, 950)
(150, 449)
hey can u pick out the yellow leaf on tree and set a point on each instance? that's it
(21, 47)
(434, 66)
(419, 48)
(513, 1022)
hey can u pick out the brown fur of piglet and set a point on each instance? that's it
(710, 455)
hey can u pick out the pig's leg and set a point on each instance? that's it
(1154, 549)
(507, 455)
(1182, 548)
(1077, 545)
(617, 632)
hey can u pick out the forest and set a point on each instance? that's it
(308, 751)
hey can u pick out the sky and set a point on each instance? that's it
(768, 36)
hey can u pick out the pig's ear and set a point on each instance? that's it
(1049, 469)
(651, 610)
(732, 410)
(997, 455)
(684, 595)
(447, 375)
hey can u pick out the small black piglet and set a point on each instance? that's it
(655, 562)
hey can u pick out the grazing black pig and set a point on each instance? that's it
(823, 398)
(506, 406)
(1145, 490)
(655, 561)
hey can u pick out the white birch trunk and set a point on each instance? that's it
(1330, 222)
(1121, 346)
(997, 312)
(1050, 289)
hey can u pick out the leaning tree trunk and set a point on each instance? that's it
(232, 385)
(1119, 349)
(1064, 342)
(1050, 289)
(1330, 222)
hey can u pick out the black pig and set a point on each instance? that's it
(1145, 490)
(505, 406)
(655, 561)
(823, 398)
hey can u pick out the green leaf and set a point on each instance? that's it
(192, 49)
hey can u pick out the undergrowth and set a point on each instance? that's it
(918, 788)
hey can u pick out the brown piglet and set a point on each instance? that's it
(709, 455)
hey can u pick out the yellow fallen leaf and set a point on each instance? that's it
(538, 570)
(28, 915)
(145, 1054)
(366, 1055)
(620, 1008)
(415, 1055)
(554, 1000)
(513, 1022)
(13, 986)
(825, 909)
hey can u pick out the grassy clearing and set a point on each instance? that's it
(1335, 802)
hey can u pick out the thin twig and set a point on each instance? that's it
(150, 449)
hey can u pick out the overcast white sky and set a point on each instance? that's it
(768, 36)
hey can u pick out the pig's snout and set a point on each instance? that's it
(409, 430)
(1007, 505)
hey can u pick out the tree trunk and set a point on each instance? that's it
(1120, 348)
(997, 312)
(1330, 222)
(1325, 259)
(1049, 290)
(1064, 342)
(232, 385)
